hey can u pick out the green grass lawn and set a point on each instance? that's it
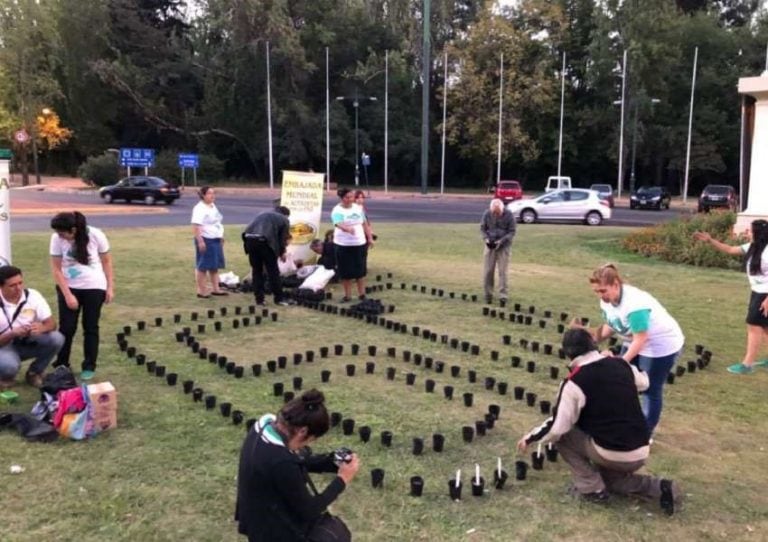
(168, 471)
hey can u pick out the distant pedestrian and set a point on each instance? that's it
(498, 229)
(352, 236)
(265, 241)
(82, 268)
(756, 258)
(209, 243)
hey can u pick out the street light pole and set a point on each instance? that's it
(356, 104)
(653, 102)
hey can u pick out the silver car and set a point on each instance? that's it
(573, 204)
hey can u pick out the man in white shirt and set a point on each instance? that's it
(27, 330)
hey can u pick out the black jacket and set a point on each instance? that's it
(273, 501)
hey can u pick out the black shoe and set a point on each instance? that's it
(502, 303)
(488, 300)
(261, 304)
(598, 497)
(670, 496)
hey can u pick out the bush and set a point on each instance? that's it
(100, 170)
(167, 167)
(673, 241)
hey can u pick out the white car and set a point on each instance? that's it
(574, 204)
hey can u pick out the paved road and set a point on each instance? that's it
(241, 207)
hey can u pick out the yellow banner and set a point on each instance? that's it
(303, 194)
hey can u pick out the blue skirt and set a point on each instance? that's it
(212, 259)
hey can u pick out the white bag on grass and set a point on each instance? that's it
(319, 279)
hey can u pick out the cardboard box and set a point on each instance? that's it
(103, 398)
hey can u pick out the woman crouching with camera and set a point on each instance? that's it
(274, 503)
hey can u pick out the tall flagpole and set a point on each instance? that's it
(269, 125)
(445, 103)
(690, 127)
(426, 64)
(386, 121)
(620, 178)
(562, 111)
(501, 108)
(327, 125)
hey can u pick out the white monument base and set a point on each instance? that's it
(757, 207)
(744, 222)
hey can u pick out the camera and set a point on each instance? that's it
(491, 245)
(342, 455)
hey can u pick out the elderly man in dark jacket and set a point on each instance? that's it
(599, 427)
(265, 240)
(498, 229)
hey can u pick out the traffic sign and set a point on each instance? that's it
(189, 160)
(21, 136)
(137, 157)
(366, 159)
(5, 154)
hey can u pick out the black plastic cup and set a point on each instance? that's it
(428, 362)
(273, 316)
(561, 353)
(535, 346)
(448, 392)
(355, 349)
(472, 376)
(679, 371)
(179, 337)
(377, 478)
(370, 367)
(130, 351)
(271, 366)
(211, 313)
(530, 366)
(692, 367)
(282, 361)
(278, 388)
(230, 367)
(494, 410)
(489, 382)
(371, 350)
(297, 358)
(288, 396)
(551, 453)
(465, 346)
(438, 442)
(391, 371)
(502, 388)
(256, 368)
(348, 426)
(417, 486)
(201, 328)
(225, 409)
(140, 359)
(126, 330)
(325, 376)
(176, 318)
(537, 461)
(158, 321)
(486, 311)
(171, 379)
(323, 351)
(524, 343)
(429, 385)
(197, 395)
(454, 490)
(188, 385)
(560, 328)
(478, 489)
(391, 352)
(467, 433)
(455, 371)
(480, 428)
(410, 379)
(195, 347)
(210, 402)
(519, 392)
(468, 399)
(213, 357)
(474, 350)
(516, 360)
(417, 359)
(548, 349)
(521, 469)
(554, 372)
(335, 418)
(237, 417)
(490, 421)
(417, 446)
(365, 433)
(151, 365)
(499, 478)
(309, 355)
(545, 407)
(699, 349)
(386, 438)
(141, 325)
(530, 399)
(202, 353)
(671, 378)
(495, 355)
(406, 356)
(350, 370)
(297, 382)
(454, 343)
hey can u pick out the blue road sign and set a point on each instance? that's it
(366, 160)
(137, 157)
(189, 160)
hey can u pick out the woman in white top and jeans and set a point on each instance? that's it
(756, 257)
(82, 268)
(209, 243)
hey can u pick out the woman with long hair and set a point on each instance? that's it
(273, 501)
(756, 257)
(352, 237)
(82, 269)
(652, 338)
(208, 230)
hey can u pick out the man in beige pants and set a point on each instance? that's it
(498, 229)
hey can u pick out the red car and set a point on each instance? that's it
(508, 191)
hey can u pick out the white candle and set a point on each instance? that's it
(477, 474)
(538, 450)
(498, 465)
(549, 446)
(458, 477)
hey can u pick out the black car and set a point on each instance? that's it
(718, 195)
(650, 197)
(140, 188)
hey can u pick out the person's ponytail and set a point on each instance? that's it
(67, 222)
(308, 411)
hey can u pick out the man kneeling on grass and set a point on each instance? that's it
(27, 330)
(599, 427)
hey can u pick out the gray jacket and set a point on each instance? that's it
(498, 229)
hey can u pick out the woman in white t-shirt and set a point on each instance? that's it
(351, 237)
(209, 243)
(652, 337)
(756, 257)
(82, 268)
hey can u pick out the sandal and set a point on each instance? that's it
(203, 296)
(219, 293)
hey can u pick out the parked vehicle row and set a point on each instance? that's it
(140, 188)
(575, 204)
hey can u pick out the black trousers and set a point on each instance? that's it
(89, 303)
(261, 258)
